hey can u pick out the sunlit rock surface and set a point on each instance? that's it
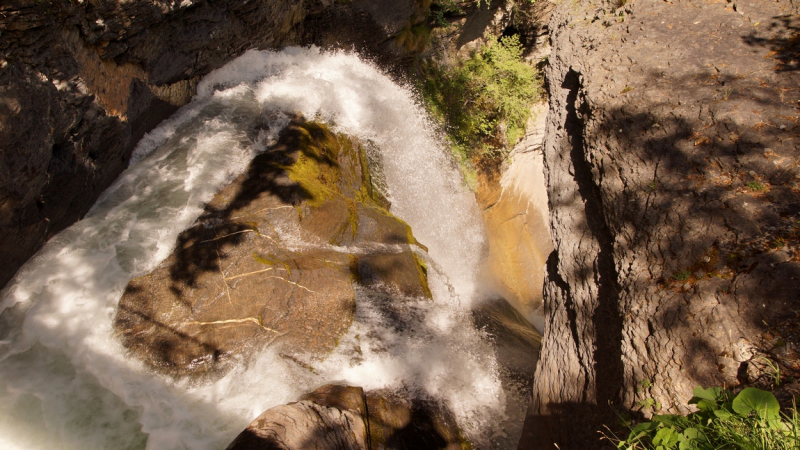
(273, 258)
(672, 172)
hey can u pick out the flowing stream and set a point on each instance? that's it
(67, 382)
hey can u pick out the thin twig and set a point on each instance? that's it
(255, 320)
(292, 282)
(248, 273)
(227, 235)
(262, 209)
(222, 274)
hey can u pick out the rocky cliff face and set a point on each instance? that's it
(671, 163)
(81, 82)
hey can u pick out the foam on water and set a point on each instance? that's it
(66, 381)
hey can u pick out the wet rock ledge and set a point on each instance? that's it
(336, 417)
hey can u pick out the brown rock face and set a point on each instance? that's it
(273, 257)
(82, 81)
(344, 417)
(514, 210)
(671, 160)
(332, 417)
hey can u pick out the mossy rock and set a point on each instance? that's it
(272, 259)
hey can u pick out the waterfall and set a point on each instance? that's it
(67, 382)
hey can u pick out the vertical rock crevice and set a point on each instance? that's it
(606, 318)
(673, 196)
(580, 373)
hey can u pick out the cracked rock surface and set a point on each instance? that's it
(671, 158)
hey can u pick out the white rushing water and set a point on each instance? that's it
(67, 382)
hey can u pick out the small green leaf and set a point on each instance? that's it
(707, 405)
(666, 437)
(644, 427)
(722, 414)
(713, 394)
(763, 403)
(694, 434)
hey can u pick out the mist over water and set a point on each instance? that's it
(67, 382)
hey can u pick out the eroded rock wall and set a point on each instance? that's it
(81, 82)
(672, 169)
(514, 210)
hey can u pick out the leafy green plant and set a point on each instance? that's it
(683, 275)
(485, 102)
(755, 186)
(776, 371)
(414, 38)
(749, 420)
(777, 243)
(727, 93)
(649, 403)
(442, 8)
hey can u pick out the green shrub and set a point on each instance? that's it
(750, 420)
(441, 9)
(681, 276)
(485, 102)
(414, 38)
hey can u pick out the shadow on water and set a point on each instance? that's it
(516, 342)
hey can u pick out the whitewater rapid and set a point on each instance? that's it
(67, 382)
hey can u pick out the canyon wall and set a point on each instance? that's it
(671, 163)
(81, 82)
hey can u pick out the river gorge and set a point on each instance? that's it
(240, 215)
(62, 307)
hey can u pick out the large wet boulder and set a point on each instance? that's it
(274, 258)
(345, 417)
